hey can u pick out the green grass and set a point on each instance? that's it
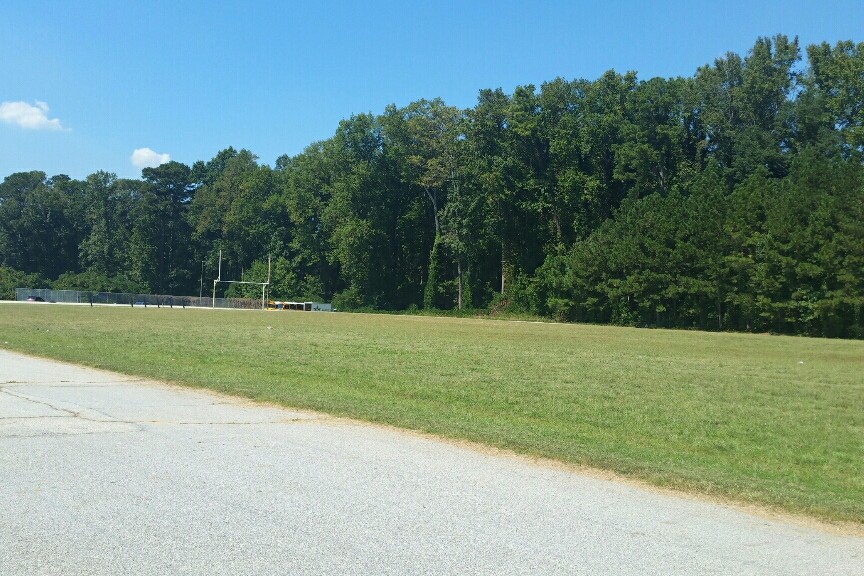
(730, 415)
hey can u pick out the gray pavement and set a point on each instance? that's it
(102, 473)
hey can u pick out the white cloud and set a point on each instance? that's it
(30, 116)
(147, 158)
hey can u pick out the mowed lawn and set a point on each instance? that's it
(777, 421)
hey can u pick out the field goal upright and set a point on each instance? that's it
(263, 285)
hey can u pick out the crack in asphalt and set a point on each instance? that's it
(35, 401)
(31, 417)
(112, 419)
(71, 413)
(283, 421)
(60, 434)
(68, 384)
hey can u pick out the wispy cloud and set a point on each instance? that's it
(147, 158)
(29, 116)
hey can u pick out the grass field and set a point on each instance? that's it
(776, 421)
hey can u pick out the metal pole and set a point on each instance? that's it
(201, 290)
(217, 279)
(268, 272)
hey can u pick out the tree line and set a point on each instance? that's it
(729, 200)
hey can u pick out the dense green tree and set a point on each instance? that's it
(159, 248)
(836, 76)
(40, 223)
(745, 111)
(302, 269)
(109, 204)
(492, 166)
(732, 199)
(422, 142)
(360, 214)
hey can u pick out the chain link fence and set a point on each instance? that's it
(130, 299)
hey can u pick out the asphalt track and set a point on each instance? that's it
(102, 473)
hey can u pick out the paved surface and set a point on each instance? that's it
(104, 474)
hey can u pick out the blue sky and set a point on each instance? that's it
(84, 84)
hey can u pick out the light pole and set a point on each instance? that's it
(201, 290)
